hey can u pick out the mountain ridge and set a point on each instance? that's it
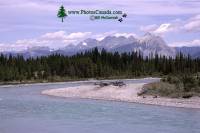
(147, 44)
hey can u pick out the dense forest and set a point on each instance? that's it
(94, 64)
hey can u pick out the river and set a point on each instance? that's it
(24, 110)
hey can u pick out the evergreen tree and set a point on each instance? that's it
(62, 13)
(92, 64)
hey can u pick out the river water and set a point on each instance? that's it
(24, 110)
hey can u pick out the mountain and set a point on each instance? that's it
(36, 52)
(192, 51)
(147, 45)
(111, 42)
(31, 52)
(107, 43)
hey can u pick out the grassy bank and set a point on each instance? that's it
(182, 86)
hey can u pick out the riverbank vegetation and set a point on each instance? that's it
(182, 86)
(93, 64)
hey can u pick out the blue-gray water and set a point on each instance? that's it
(24, 110)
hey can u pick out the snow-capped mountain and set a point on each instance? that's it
(147, 44)
(108, 43)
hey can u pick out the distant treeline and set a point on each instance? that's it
(94, 64)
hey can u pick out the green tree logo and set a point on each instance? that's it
(62, 13)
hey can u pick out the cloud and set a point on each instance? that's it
(193, 24)
(61, 35)
(11, 47)
(195, 42)
(55, 35)
(125, 35)
(79, 35)
(149, 28)
(159, 29)
(101, 36)
(53, 40)
(188, 25)
(165, 28)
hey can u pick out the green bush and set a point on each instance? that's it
(161, 89)
(174, 86)
(189, 83)
(173, 80)
(187, 95)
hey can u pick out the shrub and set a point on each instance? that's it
(189, 83)
(174, 86)
(187, 95)
(161, 89)
(173, 80)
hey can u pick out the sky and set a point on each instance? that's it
(29, 23)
